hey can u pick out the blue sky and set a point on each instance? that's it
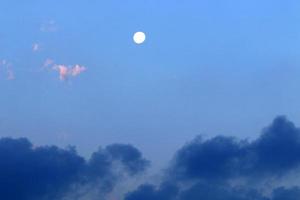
(207, 67)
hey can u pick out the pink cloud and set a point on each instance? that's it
(65, 71)
(68, 71)
(62, 70)
(77, 69)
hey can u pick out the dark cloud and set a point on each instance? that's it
(277, 150)
(108, 164)
(220, 168)
(217, 158)
(274, 153)
(166, 191)
(286, 194)
(208, 191)
(217, 192)
(225, 168)
(48, 172)
(130, 157)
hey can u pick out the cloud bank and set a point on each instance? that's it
(225, 168)
(49, 172)
(220, 168)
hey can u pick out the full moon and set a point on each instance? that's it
(139, 37)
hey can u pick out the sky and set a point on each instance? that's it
(71, 74)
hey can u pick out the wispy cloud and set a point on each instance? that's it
(49, 26)
(48, 62)
(36, 47)
(6, 68)
(10, 74)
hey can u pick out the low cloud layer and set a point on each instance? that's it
(49, 172)
(225, 168)
(274, 153)
(220, 168)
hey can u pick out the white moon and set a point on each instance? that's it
(139, 37)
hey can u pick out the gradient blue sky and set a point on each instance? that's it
(207, 67)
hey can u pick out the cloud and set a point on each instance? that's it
(286, 194)
(220, 168)
(48, 62)
(7, 68)
(10, 74)
(207, 191)
(220, 192)
(49, 172)
(62, 70)
(49, 26)
(225, 168)
(130, 157)
(36, 47)
(65, 72)
(68, 71)
(165, 191)
(274, 153)
(216, 192)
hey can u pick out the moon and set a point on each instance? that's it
(139, 37)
